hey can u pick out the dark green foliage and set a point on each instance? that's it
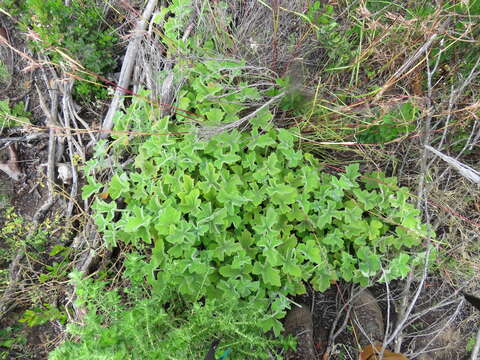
(390, 126)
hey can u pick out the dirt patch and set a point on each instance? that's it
(439, 326)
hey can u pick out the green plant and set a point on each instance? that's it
(77, 30)
(392, 125)
(334, 39)
(40, 315)
(140, 323)
(11, 338)
(5, 75)
(246, 215)
(12, 115)
(242, 217)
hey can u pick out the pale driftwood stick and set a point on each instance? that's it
(127, 67)
(464, 170)
(66, 118)
(403, 306)
(53, 125)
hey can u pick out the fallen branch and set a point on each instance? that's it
(127, 67)
(464, 170)
(52, 124)
(25, 138)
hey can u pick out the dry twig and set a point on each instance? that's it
(127, 67)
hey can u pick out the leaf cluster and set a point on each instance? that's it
(249, 216)
(12, 115)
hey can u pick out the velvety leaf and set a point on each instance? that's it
(118, 184)
(168, 216)
(270, 275)
(90, 189)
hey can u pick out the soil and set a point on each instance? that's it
(25, 196)
(453, 331)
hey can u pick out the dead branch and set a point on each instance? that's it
(401, 321)
(427, 128)
(26, 138)
(66, 90)
(127, 67)
(402, 308)
(464, 170)
(53, 125)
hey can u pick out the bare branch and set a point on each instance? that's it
(127, 67)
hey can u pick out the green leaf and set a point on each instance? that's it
(368, 199)
(118, 184)
(322, 279)
(168, 216)
(327, 214)
(351, 172)
(370, 262)
(90, 189)
(399, 268)
(291, 267)
(262, 120)
(215, 115)
(347, 268)
(311, 251)
(261, 141)
(374, 229)
(225, 246)
(133, 223)
(283, 194)
(269, 274)
(266, 222)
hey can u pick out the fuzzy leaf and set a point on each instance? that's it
(269, 274)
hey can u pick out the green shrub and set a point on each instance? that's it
(160, 324)
(12, 115)
(390, 126)
(240, 217)
(246, 215)
(77, 30)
